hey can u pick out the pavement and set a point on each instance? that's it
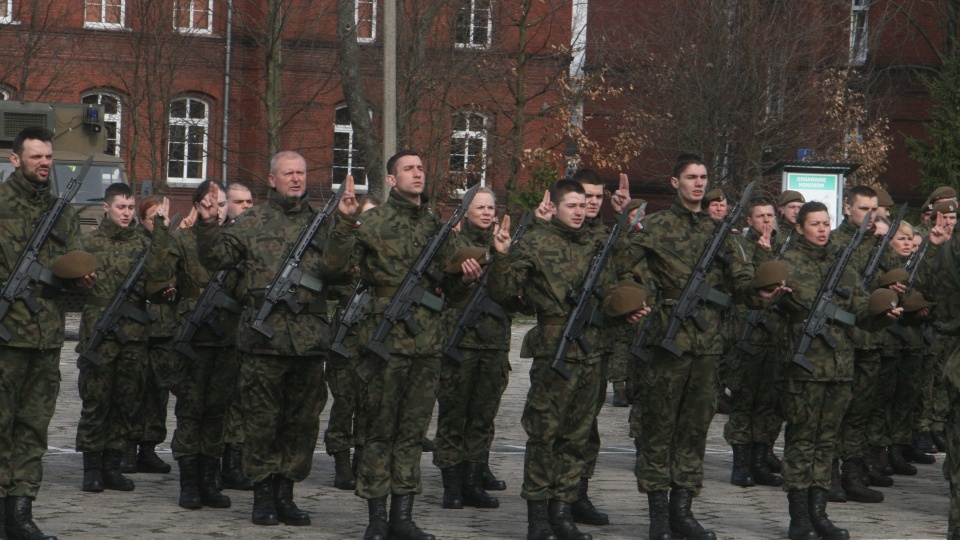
(915, 507)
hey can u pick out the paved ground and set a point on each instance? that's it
(916, 507)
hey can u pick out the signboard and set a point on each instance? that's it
(818, 186)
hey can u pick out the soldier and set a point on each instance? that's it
(789, 206)
(620, 358)
(30, 360)
(884, 202)
(401, 392)
(239, 199)
(716, 203)
(282, 388)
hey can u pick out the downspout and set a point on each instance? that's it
(226, 93)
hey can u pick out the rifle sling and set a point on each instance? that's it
(543, 320)
(841, 316)
(105, 302)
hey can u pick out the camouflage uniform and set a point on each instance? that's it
(401, 392)
(233, 421)
(345, 427)
(282, 388)
(30, 362)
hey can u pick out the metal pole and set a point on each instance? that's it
(226, 93)
(389, 82)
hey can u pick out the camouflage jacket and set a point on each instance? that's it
(260, 240)
(22, 206)
(787, 232)
(165, 325)
(385, 245)
(547, 264)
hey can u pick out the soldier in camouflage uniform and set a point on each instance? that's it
(788, 207)
(401, 392)
(282, 388)
(30, 361)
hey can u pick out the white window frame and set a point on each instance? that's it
(462, 138)
(348, 129)
(113, 118)
(4, 94)
(102, 24)
(859, 11)
(373, 22)
(8, 18)
(192, 9)
(473, 16)
(187, 122)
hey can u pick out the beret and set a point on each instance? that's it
(945, 207)
(629, 296)
(884, 200)
(790, 196)
(74, 264)
(481, 254)
(882, 301)
(897, 275)
(770, 273)
(715, 194)
(915, 302)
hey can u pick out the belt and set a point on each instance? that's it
(670, 294)
(104, 302)
(385, 292)
(193, 293)
(543, 320)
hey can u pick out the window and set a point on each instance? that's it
(366, 19)
(468, 148)
(858, 31)
(111, 118)
(4, 94)
(104, 14)
(193, 16)
(346, 159)
(187, 150)
(473, 24)
(6, 11)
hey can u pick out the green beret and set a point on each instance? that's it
(481, 254)
(897, 275)
(769, 274)
(629, 296)
(942, 192)
(715, 194)
(945, 207)
(790, 196)
(74, 265)
(882, 301)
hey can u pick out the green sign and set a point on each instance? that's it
(811, 182)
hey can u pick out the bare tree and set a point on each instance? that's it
(37, 56)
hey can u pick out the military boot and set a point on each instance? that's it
(343, 477)
(19, 519)
(561, 522)
(740, 475)
(620, 395)
(112, 479)
(265, 503)
(452, 487)
(149, 462)
(209, 494)
(939, 440)
(93, 472)
(128, 460)
(773, 462)
(189, 482)
(231, 471)
(472, 488)
(287, 510)
(538, 525)
(899, 463)
(659, 516)
(852, 481)
(583, 510)
(3, 520)
(759, 468)
(836, 493)
(402, 526)
(377, 512)
(682, 522)
(912, 454)
(800, 526)
(491, 482)
(872, 468)
(923, 443)
(883, 461)
(818, 516)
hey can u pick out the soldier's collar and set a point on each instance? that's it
(288, 204)
(404, 205)
(34, 192)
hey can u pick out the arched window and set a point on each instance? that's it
(346, 158)
(187, 150)
(112, 118)
(468, 148)
(6, 14)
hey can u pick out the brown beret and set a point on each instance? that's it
(915, 302)
(633, 205)
(715, 194)
(897, 275)
(74, 264)
(790, 196)
(769, 274)
(629, 296)
(945, 207)
(884, 200)
(942, 192)
(481, 254)
(882, 301)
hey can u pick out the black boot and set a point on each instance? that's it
(112, 479)
(740, 475)
(923, 443)
(402, 526)
(287, 510)
(378, 527)
(472, 488)
(561, 521)
(209, 494)
(538, 525)
(800, 526)
(93, 472)
(899, 463)
(452, 487)
(264, 503)
(836, 493)
(818, 516)
(659, 516)
(872, 468)
(852, 481)
(3, 520)
(761, 471)
(231, 472)
(491, 482)
(19, 519)
(939, 440)
(773, 462)
(583, 510)
(343, 475)
(189, 482)
(620, 395)
(128, 460)
(913, 454)
(682, 522)
(149, 462)
(883, 461)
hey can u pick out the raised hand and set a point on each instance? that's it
(501, 235)
(940, 232)
(208, 206)
(621, 197)
(546, 209)
(348, 203)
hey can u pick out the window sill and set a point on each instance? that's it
(104, 26)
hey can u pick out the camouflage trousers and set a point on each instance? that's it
(29, 384)
(281, 398)
(754, 409)
(814, 412)
(934, 400)
(233, 422)
(592, 450)
(400, 398)
(863, 401)
(204, 388)
(951, 465)
(469, 397)
(557, 417)
(159, 374)
(897, 394)
(679, 401)
(111, 396)
(622, 337)
(345, 428)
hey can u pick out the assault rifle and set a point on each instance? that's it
(285, 282)
(28, 271)
(479, 305)
(351, 314)
(880, 249)
(824, 311)
(411, 292)
(913, 263)
(758, 317)
(208, 306)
